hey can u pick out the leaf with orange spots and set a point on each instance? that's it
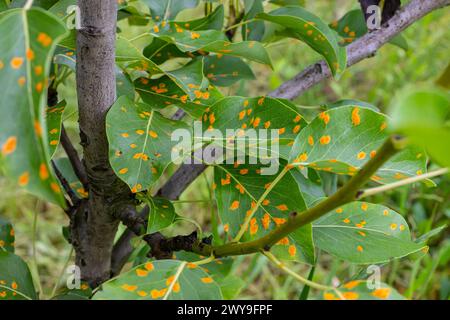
(162, 10)
(160, 51)
(245, 185)
(364, 233)
(15, 278)
(224, 71)
(363, 290)
(343, 139)
(214, 41)
(219, 268)
(309, 28)
(140, 145)
(353, 26)
(7, 237)
(28, 41)
(279, 118)
(161, 279)
(54, 119)
(163, 92)
(161, 215)
(253, 30)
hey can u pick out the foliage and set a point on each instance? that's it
(191, 65)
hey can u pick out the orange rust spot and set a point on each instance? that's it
(356, 119)
(361, 155)
(266, 221)
(130, 288)
(207, 280)
(382, 293)
(16, 62)
(141, 272)
(292, 250)
(325, 140)
(43, 172)
(282, 207)
(24, 179)
(234, 205)
(9, 146)
(44, 39)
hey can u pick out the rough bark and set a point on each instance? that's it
(94, 224)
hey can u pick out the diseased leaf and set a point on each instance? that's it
(29, 38)
(54, 119)
(422, 114)
(364, 290)
(253, 30)
(6, 236)
(160, 51)
(162, 214)
(231, 286)
(353, 25)
(162, 10)
(161, 279)
(218, 269)
(364, 233)
(139, 142)
(15, 278)
(209, 41)
(224, 71)
(307, 27)
(239, 189)
(163, 92)
(343, 139)
(267, 113)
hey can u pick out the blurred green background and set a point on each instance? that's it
(38, 225)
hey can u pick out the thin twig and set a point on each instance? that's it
(65, 184)
(74, 159)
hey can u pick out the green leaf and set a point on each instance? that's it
(364, 290)
(66, 169)
(15, 278)
(364, 233)
(54, 120)
(60, 7)
(239, 189)
(163, 92)
(124, 86)
(25, 53)
(160, 51)
(257, 113)
(343, 139)
(162, 10)
(162, 214)
(213, 21)
(210, 41)
(307, 27)
(253, 30)
(423, 115)
(189, 78)
(6, 236)
(162, 279)
(353, 25)
(224, 71)
(231, 286)
(218, 269)
(139, 142)
(83, 293)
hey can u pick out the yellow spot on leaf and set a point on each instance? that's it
(359, 248)
(361, 155)
(207, 280)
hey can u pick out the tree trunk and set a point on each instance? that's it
(94, 228)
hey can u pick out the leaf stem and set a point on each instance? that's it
(237, 25)
(373, 191)
(305, 281)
